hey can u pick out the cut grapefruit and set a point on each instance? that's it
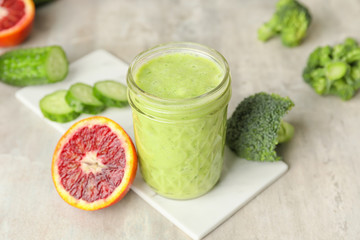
(16, 20)
(94, 164)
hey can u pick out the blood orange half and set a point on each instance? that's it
(16, 20)
(94, 164)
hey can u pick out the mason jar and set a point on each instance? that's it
(180, 141)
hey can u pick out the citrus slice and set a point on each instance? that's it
(94, 164)
(16, 20)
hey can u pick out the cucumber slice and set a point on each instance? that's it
(80, 97)
(111, 93)
(33, 66)
(55, 108)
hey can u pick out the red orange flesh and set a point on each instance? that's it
(16, 20)
(94, 164)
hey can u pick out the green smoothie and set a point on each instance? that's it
(179, 75)
(181, 151)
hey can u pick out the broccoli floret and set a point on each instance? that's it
(340, 51)
(334, 70)
(256, 127)
(291, 20)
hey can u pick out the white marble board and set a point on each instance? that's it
(241, 180)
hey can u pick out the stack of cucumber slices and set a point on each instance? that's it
(66, 105)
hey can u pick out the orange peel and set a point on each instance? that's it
(94, 164)
(16, 21)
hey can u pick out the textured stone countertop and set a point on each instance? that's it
(318, 198)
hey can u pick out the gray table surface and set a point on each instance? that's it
(318, 198)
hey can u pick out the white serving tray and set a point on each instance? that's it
(241, 180)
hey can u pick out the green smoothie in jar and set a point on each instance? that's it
(179, 94)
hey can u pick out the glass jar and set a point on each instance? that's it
(180, 142)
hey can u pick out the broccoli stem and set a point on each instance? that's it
(268, 29)
(336, 70)
(286, 132)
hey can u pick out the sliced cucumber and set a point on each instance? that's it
(55, 108)
(80, 97)
(111, 93)
(33, 66)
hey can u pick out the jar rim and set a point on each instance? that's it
(191, 47)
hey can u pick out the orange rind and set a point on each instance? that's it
(16, 20)
(94, 164)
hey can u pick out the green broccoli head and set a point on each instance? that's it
(256, 127)
(345, 50)
(334, 70)
(291, 21)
